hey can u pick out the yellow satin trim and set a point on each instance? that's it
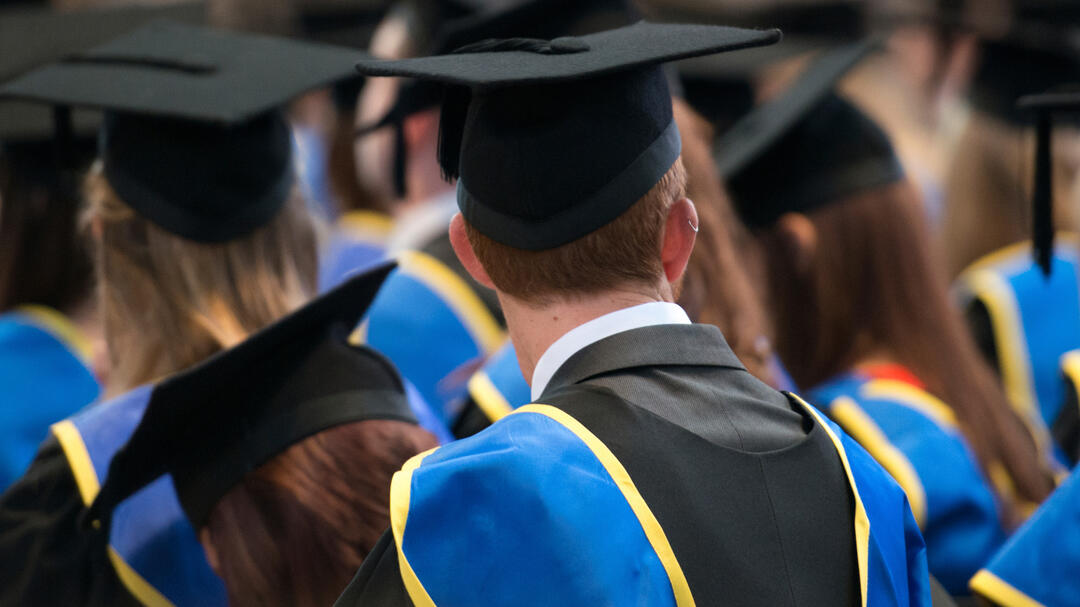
(1001, 592)
(487, 397)
(86, 480)
(912, 397)
(369, 226)
(862, 521)
(60, 327)
(400, 495)
(465, 303)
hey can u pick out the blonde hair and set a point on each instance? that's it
(168, 302)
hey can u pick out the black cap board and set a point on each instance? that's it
(30, 37)
(806, 147)
(553, 139)
(1046, 107)
(193, 137)
(211, 425)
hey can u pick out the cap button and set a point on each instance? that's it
(568, 44)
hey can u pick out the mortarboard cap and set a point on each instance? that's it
(193, 137)
(1045, 107)
(806, 147)
(555, 139)
(211, 425)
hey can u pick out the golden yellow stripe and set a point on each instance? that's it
(906, 394)
(465, 303)
(1019, 251)
(862, 428)
(58, 325)
(862, 521)
(992, 290)
(367, 225)
(78, 458)
(487, 397)
(653, 531)
(86, 480)
(1000, 591)
(1070, 365)
(136, 584)
(400, 490)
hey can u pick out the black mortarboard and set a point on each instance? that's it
(193, 137)
(209, 426)
(807, 147)
(555, 139)
(1045, 107)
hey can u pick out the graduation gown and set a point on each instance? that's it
(44, 377)
(1039, 563)
(1024, 322)
(657, 471)
(916, 439)
(151, 555)
(357, 241)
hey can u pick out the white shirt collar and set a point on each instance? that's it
(576, 339)
(417, 227)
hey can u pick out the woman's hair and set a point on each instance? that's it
(297, 528)
(874, 288)
(716, 289)
(44, 259)
(168, 302)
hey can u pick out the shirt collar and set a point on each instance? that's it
(576, 339)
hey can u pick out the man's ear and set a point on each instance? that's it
(680, 233)
(799, 238)
(459, 239)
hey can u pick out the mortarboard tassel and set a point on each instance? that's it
(455, 106)
(399, 159)
(1043, 212)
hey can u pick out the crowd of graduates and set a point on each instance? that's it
(668, 302)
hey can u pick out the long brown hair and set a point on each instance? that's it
(169, 302)
(297, 528)
(716, 289)
(875, 289)
(44, 259)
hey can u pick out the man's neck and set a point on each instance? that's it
(534, 328)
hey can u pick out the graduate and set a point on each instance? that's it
(863, 322)
(1038, 565)
(200, 239)
(730, 303)
(653, 469)
(286, 480)
(50, 363)
(1022, 320)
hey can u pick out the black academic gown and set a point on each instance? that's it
(688, 423)
(39, 524)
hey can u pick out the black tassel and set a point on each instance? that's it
(1043, 203)
(455, 106)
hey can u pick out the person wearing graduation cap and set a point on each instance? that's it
(1022, 320)
(281, 451)
(1038, 565)
(652, 468)
(200, 240)
(50, 340)
(863, 321)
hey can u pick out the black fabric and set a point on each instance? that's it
(1066, 428)
(470, 420)
(835, 152)
(784, 537)
(978, 320)
(553, 139)
(203, 182)
(236, 410)
(378, 581)
(46, 558)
